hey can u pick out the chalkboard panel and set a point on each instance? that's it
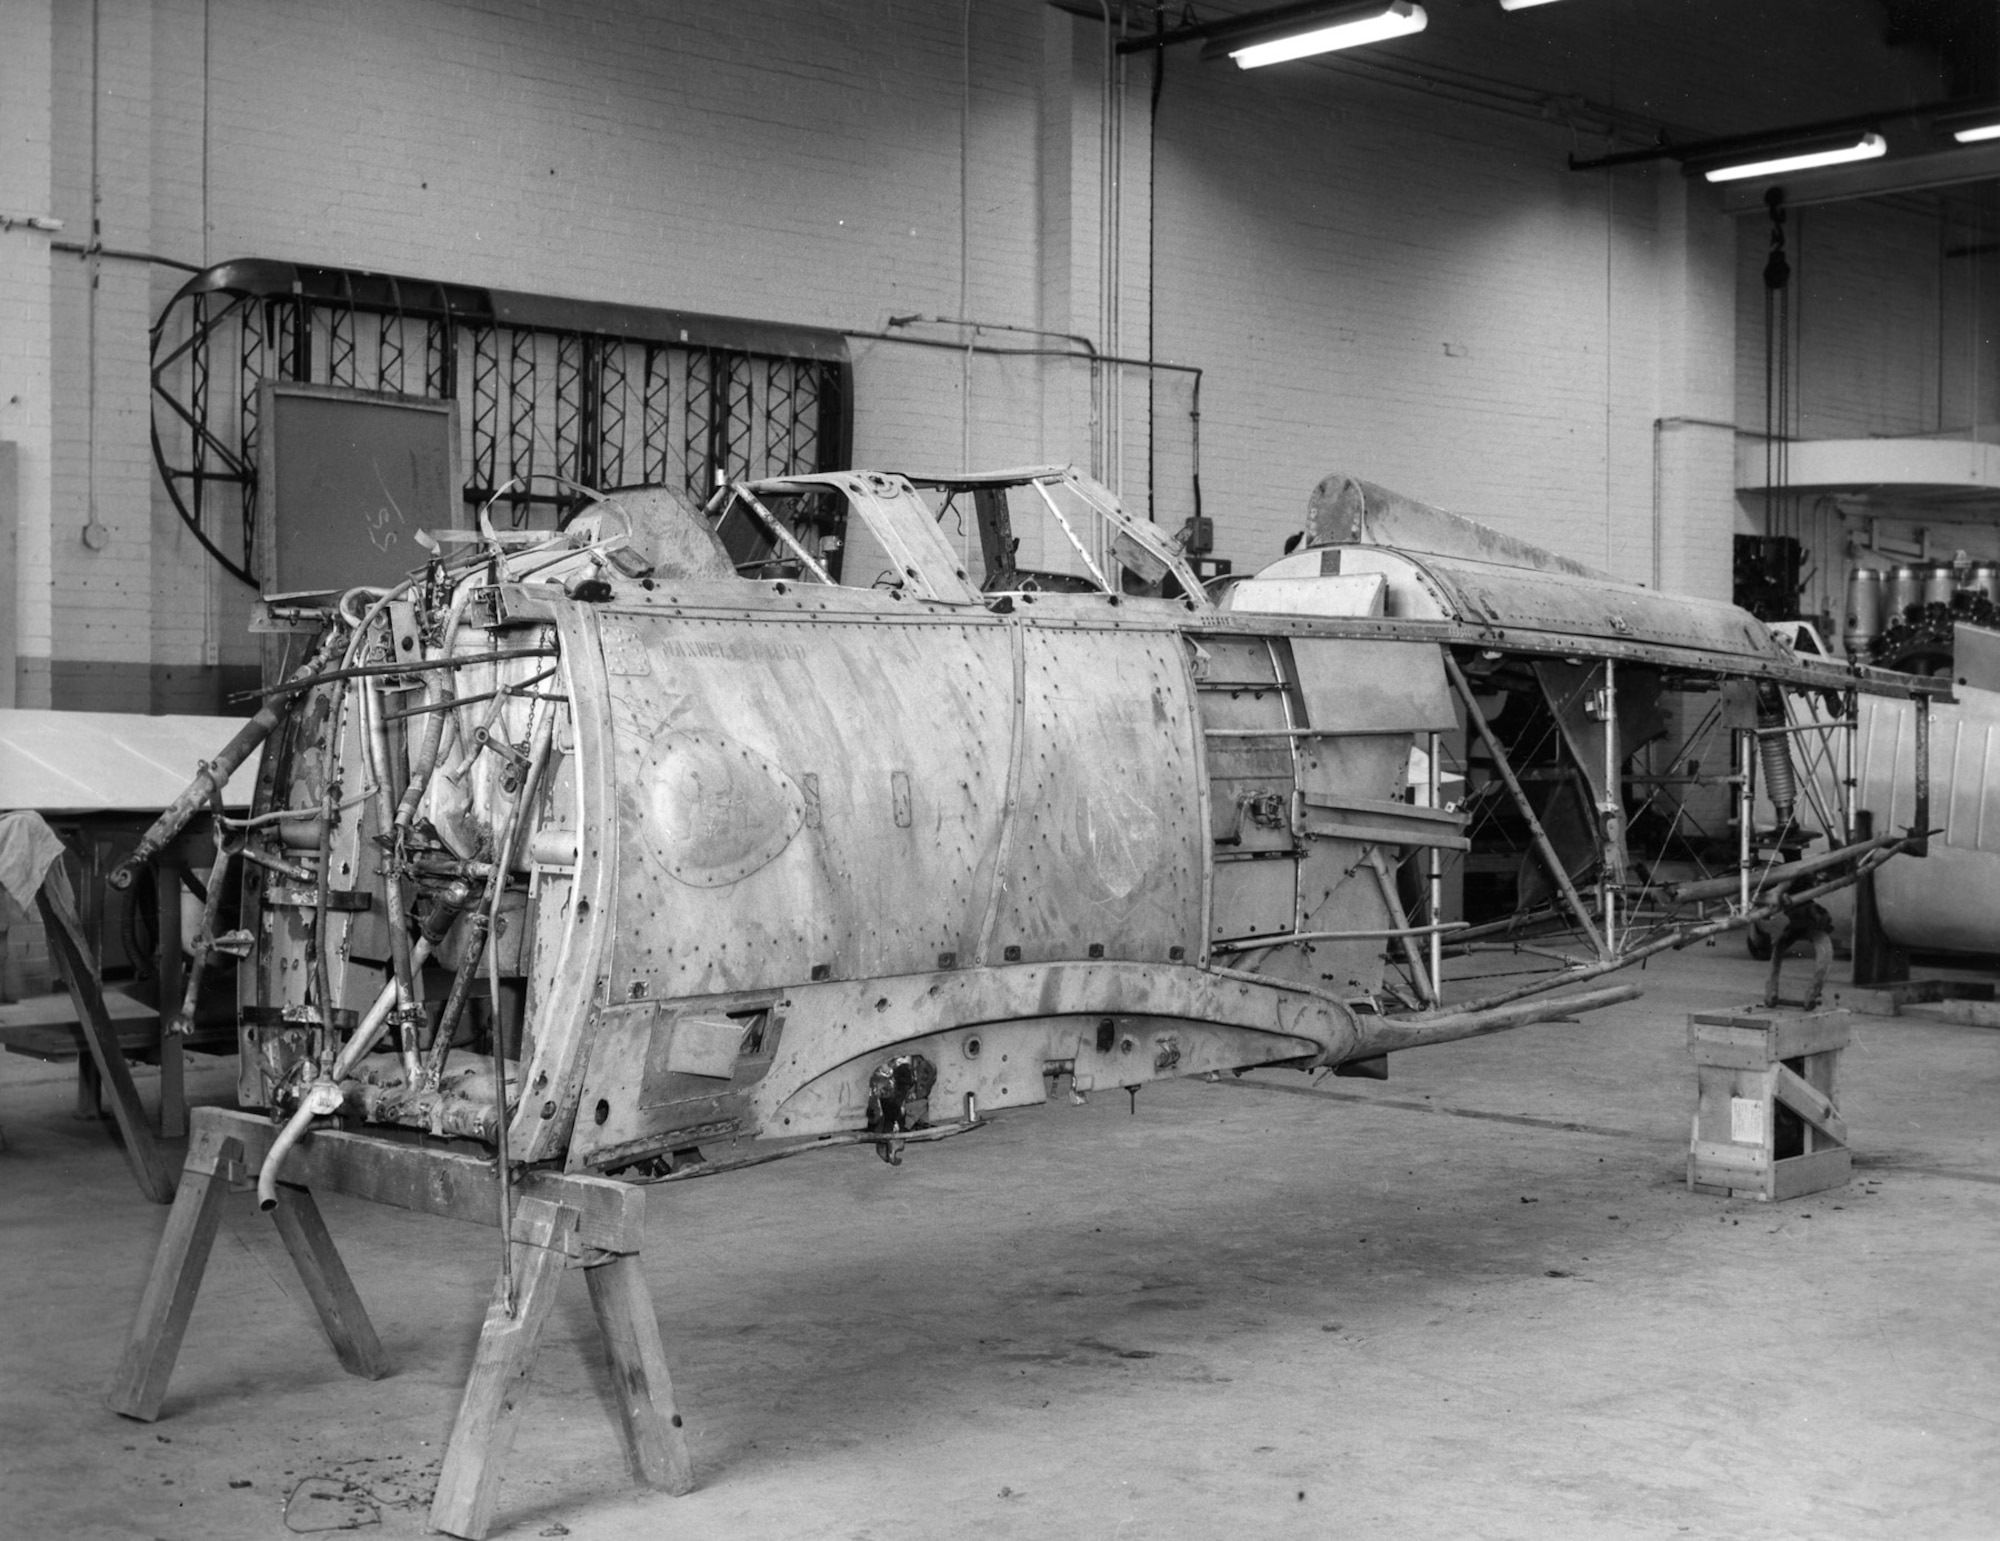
(345, 479)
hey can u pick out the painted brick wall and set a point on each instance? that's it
(208, 604)
(1439, 308)
(26, 410)
(100, 514)
(1866, 323)
(800, 163)
(1423, 295)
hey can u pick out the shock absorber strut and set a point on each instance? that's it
(1774, 752)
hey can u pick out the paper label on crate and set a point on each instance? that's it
(1746, 1120)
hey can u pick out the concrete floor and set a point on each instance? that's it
(1477, 1300)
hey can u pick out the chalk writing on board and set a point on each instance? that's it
(380, 531)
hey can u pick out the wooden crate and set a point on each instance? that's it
(1767, 1122)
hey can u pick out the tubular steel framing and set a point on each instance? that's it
(559, 394)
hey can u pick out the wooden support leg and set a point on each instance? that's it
(645, 1389)
(469, 1485)
(173, 1088)
(167, 970)
(89, 1089)
(141, 1382)
(332, 1291)
(79, 970)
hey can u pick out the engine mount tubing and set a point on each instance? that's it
(438, 693)
(461, 988)
(351, 642)
(214, 774)
(1543, 848)
(297, 686)
(369, 1031)
(542, 733)
(323, 879)
(204, 939)
(426, 760)
(392, 875)
(322, 1099)
(267, 1174)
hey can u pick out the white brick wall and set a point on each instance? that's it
(1426, 307)
(186, 631)
(26, 410)
(759, 158)
(1867, 328)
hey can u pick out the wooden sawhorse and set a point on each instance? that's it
(559, 1222)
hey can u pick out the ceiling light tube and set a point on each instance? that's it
(1520, 5)
(1799, 158)
(1969, 125)
(1340, 27)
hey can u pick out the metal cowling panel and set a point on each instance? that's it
(800, 800)
(1107, 830)
(571, 901)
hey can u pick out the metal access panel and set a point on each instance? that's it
(1247, 716)
(802, 800)
(1352, 686)
(1104, 848)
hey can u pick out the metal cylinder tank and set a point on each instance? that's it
(1864, 609)
(1984, 578)
(1903, 587)
(1940, 582)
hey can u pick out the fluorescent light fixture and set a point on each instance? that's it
(1520, 5)
(1866, 148)
(1969, 125)
(1350, 27)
